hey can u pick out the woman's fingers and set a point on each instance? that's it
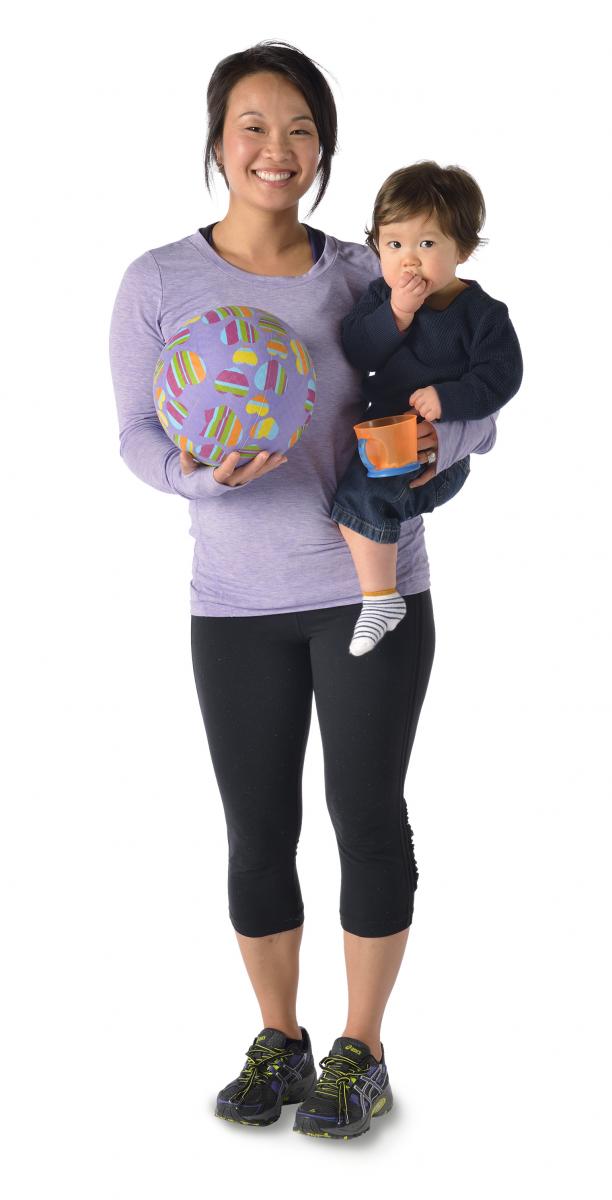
(425, 477)
(189, 464)
(427, 436)
(229, 471)
(261, 464)
(427, 440)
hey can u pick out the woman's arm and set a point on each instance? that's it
(457, 439)
(135, 344)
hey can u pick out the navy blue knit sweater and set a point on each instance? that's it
(469, 351)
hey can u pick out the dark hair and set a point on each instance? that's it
(301, 71)
(449, 193)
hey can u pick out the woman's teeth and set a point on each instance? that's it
(271, 177)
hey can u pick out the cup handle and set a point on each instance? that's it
(363, 452)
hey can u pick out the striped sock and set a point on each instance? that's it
(381, 611)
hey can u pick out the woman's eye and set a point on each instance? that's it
(258, 129)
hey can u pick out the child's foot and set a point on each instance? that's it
(378, 615)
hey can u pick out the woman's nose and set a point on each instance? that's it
(277, 146)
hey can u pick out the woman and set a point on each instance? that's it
(275, 597)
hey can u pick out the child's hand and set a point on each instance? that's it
(409, 293)
(427, 403)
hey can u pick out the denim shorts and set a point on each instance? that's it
(376, 507)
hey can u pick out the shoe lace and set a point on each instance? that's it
(336, 1081)
(257, 1067)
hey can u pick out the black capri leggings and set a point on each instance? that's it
(255, 678)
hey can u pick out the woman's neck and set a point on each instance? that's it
(263, 242)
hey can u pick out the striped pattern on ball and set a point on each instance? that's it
(186, 367)
(257, 404)
(239, 331)
(271, 377)
(303, 361)
(221, 425)
(311, 396)
(272, 325)
(248, 357)
(232, 382)
(277, 349)
(176, 412)
(266, 428)
(209, 453)
(178, 339)
(215, 315)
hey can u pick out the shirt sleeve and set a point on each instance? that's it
(495, 371)
(457, 439)
(135, 344)
(369, 333)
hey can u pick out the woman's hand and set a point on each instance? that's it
(427, 444)
(230, 473)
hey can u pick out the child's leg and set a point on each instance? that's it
(383, 607)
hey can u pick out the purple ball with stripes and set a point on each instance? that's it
(234, 378)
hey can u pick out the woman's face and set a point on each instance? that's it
(270, 145)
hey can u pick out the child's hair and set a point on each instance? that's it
(298, 69)
(448, 193)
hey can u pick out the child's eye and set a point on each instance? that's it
(393, 244)
(427, 242)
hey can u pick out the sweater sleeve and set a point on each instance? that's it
(369, 333)
(135, 344)
(495, 371)
(457, 439)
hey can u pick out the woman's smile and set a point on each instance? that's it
(274, 178)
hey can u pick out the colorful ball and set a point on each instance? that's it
(234, 378)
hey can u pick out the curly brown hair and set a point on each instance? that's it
(449, 193)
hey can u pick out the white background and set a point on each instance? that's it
(125, 1004)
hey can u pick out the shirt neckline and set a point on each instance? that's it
(471, 285)
(322, 264)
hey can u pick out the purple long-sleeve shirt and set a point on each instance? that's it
(269, 546)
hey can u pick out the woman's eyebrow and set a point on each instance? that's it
(253, 113)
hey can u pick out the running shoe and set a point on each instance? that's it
(352, 1089)
(277, 1071)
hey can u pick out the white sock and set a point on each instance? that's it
(379, 614)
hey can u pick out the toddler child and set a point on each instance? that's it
(430, 340)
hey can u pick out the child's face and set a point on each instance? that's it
(418, 245)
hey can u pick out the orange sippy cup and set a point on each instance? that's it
(388, 445)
